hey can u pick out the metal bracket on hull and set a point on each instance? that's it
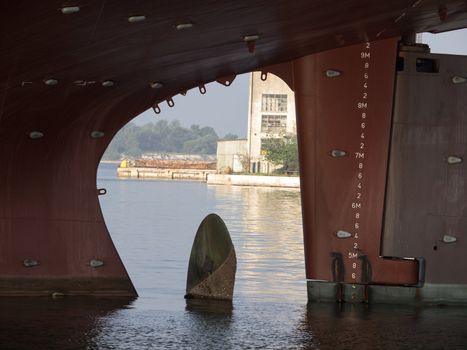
(101, 191)
(282, 70)
(227, 80)
(421, 263)
(156, 109)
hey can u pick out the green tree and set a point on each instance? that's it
(133, 140)
(202, 145)
(125, 143)
(283, 152)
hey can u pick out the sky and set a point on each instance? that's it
(223, 108)
(226, 108)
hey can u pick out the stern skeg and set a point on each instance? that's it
(213, 263)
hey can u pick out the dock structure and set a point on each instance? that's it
(166, 169)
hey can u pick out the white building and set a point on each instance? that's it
(271, 114)
(232, 156)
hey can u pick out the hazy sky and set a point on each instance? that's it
(225, 108)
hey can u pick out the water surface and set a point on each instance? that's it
(153, 224)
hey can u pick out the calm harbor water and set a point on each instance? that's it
(153, 224)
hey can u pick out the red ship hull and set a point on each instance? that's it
(70, 80)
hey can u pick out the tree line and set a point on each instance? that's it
(162, 137)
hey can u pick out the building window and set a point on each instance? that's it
(274, 103)
(274, 123)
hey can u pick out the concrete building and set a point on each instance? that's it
(271, 115)
(232, 156)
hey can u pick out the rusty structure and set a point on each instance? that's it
(174, 164)
(174, 169)
(381, 129)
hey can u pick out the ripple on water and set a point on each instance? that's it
(153, 224)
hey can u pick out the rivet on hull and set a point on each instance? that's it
(343, 234)
(333, 73)
(136, 19)
(97, 134)
(337, 153)
(96, 263)
(156, 85)
(30, 263)
(182, 26)
(50, 82)
(458, 80)
(449, 239)
(68, 10)
(252, 37)
(454, 160)
(34, 135)
(108, 83)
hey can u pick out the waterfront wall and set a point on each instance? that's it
(157, 173)
(209, 176)
(252, 180)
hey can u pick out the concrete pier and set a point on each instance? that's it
(172, 174)
(254, 180)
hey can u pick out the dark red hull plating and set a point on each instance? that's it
(49, 210)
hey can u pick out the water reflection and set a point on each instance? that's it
(266, 229)
(153, 224)
(208, 320)
(206, 306)
(352, 326)
(43, 323)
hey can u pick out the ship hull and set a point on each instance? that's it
(71, 77)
